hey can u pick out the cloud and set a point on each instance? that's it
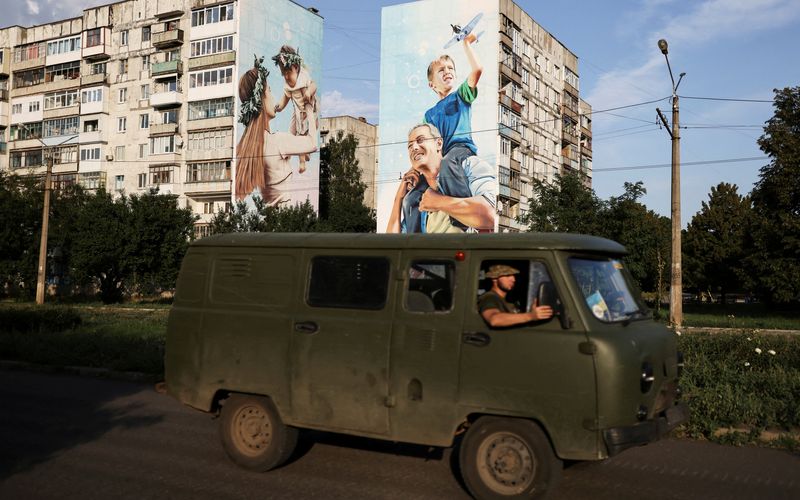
(335, 104)
(33, 7)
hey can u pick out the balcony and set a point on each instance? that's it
(166, 68)
(569, 88)
(223, 59)
(29, 56)
(5, 63)
(510, 73)
(166, 99)
(510, 103)
(568, 135)
(205, 188)
(163, 129)
(97, 79)
(569, 111)
(509, 133)
(101, 47)
(4, 121)
(505, 39)
(90, 136)
(167, 39)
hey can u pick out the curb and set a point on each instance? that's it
(84, 371)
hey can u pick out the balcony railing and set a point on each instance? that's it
(167, 67)
(166, 39)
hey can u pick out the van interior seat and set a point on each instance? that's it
(419, 302)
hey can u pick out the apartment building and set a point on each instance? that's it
(534, 129)
(544, 125)
(366, 154)
(131, 96)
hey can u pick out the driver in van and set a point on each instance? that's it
(494, 308)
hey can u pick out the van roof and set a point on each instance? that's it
(505, 241)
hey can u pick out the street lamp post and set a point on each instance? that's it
(45, 221)
(676, 280)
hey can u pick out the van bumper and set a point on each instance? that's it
(618, 439)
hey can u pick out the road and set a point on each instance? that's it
(67, 437)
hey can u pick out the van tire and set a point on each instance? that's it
(253, 434)
(508, 458)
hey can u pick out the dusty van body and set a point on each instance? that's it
(380, 336)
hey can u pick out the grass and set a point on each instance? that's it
(116, 338)
(742, 316)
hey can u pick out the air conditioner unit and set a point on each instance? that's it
(109, 157)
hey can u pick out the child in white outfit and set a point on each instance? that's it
(301, 90)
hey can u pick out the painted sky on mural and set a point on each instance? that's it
(729, 49)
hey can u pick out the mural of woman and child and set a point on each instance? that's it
(263, 155)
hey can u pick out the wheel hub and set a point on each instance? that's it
(252, 430)
(506, 463)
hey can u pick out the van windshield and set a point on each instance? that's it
(604, 285)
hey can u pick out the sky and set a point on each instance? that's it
(734, 53)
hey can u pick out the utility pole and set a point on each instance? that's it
(40, 285)
(676, 281)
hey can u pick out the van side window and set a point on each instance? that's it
(430, 286)
(530, 274)
(348, 282)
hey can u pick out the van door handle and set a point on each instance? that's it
(479, 339)
(306, 327)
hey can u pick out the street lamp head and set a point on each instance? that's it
(682, 74)
(662, 46)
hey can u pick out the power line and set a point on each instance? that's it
(725, 99)
(667, 165)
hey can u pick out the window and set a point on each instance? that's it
(208, 171)
(161, 174)
(123, 66)
(119, 153)
(62, 126)
(211, 77)
(119, 182)
(169, 116)
(26, 159)
(61, 99)
(144, 121)
(28, 52)
(26, 131)
(349, 282)
(33, 106)
(94, 37)
(98, 68)
(122, 124)
(90, 154)
(146, 33)
(64, 46)
(212, 108)
(210, 15)
(66, 71)
(123, 37)
(210, 140)
(92, 95)
(16, 108)
(212, 46)
(142, 151)
(90, 126)
(122, 96)
(162, 144)
(604, 285)
(145, 90)
(528, 286)
(430, 286)
(142, 180)
(65, 154)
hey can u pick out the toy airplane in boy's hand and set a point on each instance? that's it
(461, 33)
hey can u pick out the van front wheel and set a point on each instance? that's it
(508, 458)
(253, 434)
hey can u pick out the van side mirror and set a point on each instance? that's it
(547, 295)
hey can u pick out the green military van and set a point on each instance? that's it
(381, 336)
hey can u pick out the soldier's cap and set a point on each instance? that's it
(499, 270)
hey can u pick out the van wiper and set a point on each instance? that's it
(636, 316)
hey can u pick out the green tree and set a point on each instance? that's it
(566, 205)
(341, 197)
(265, 218)
(645, 234)
(20, 229)
(774, 260)
(713, 243)
(161, 234)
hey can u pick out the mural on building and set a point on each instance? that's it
(277, 151)
(438, 116)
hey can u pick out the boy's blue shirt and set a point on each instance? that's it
(453, 117)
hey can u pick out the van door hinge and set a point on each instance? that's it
(587, 347)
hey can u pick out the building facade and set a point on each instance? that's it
(366, 154)
(543, 122)
(128, 97)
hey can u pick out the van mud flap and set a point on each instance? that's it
(618, 439)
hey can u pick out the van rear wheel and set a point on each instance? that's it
(508, 458)
(253, 434)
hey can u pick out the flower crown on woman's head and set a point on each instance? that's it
(252, 106)
(287, 59)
